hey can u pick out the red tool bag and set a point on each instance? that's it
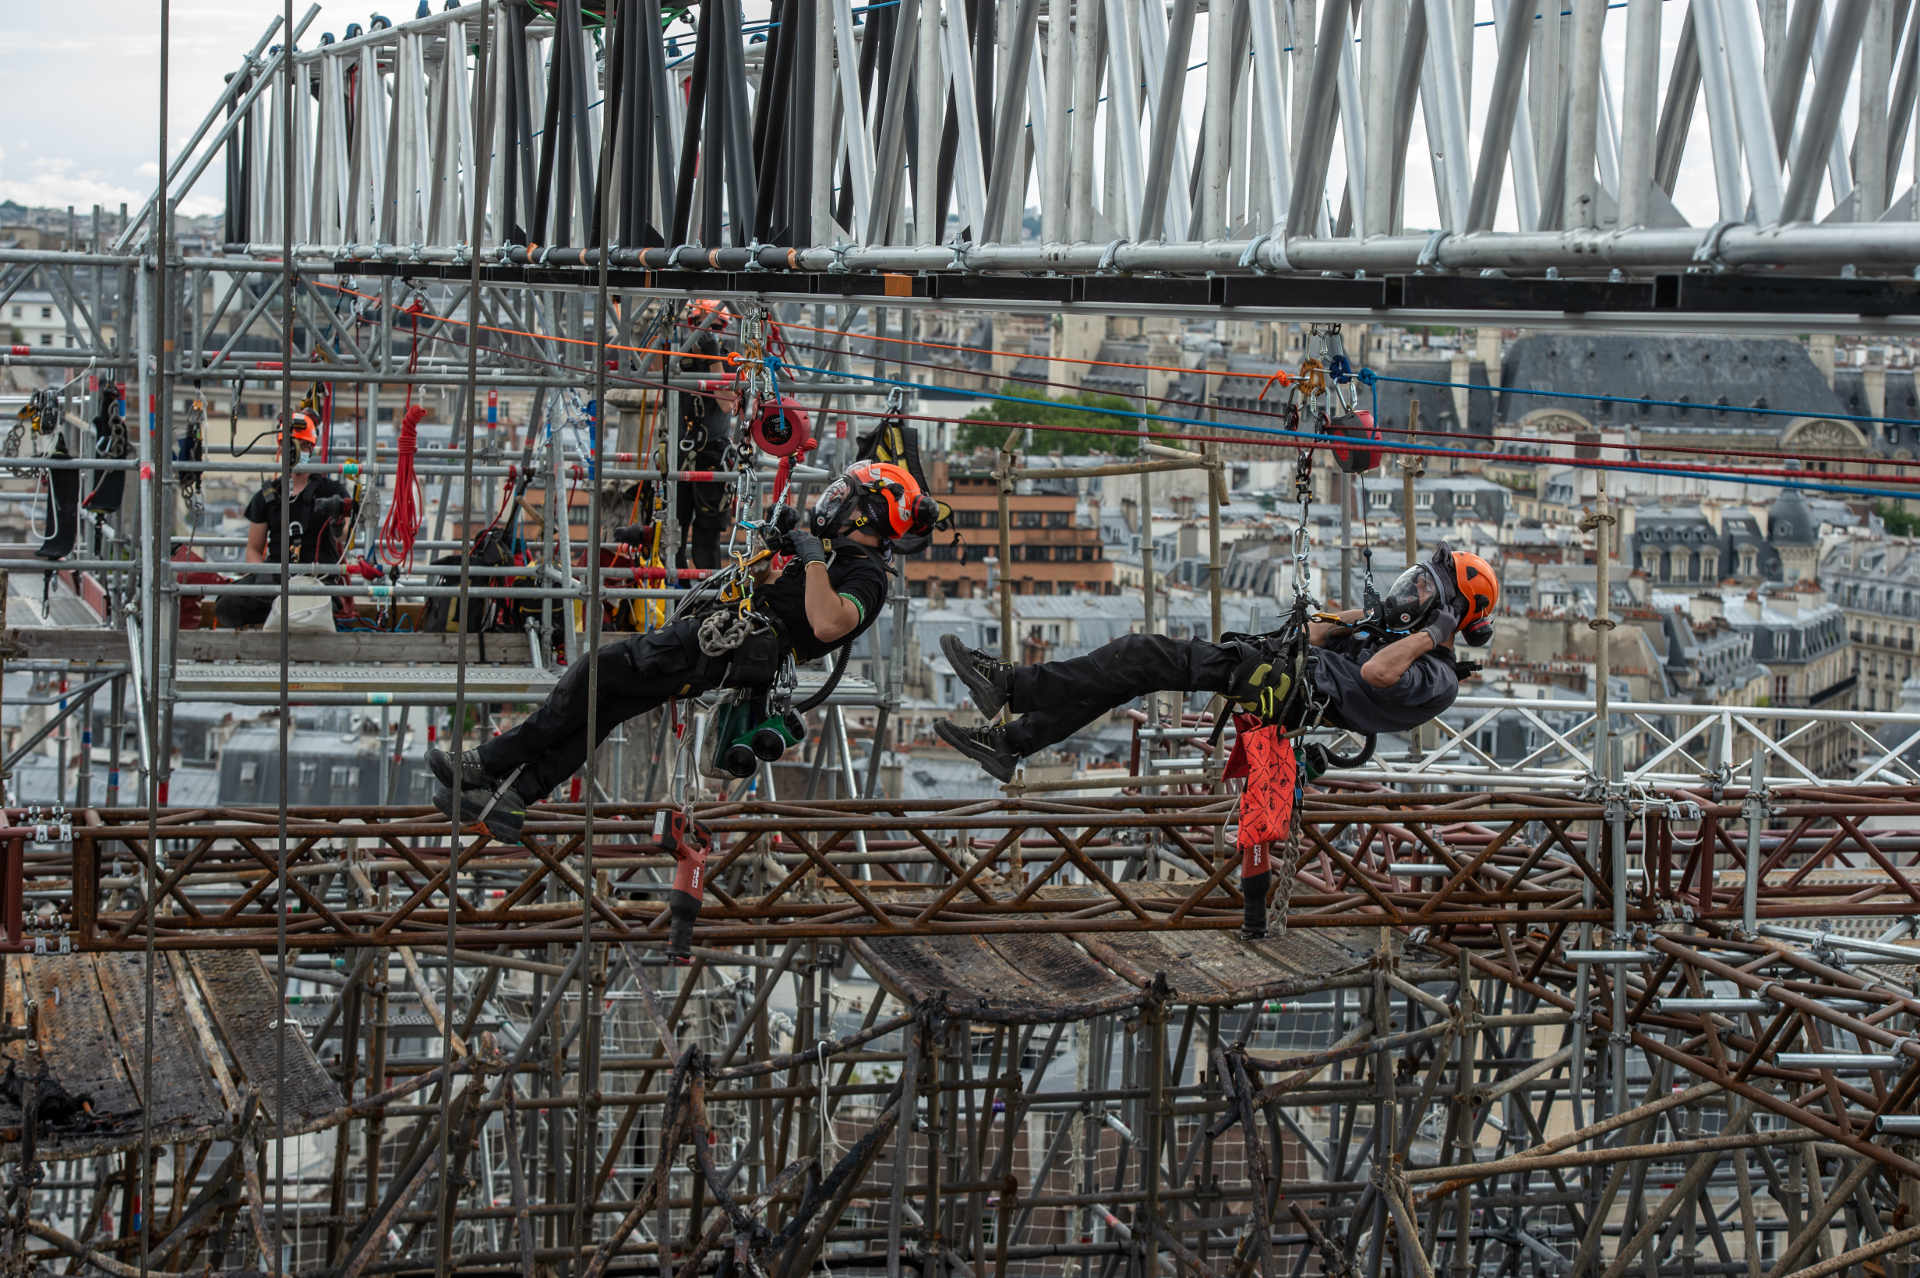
(1264, 756)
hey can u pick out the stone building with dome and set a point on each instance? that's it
(1707, 543)
(1718, 393)
(1794, 535)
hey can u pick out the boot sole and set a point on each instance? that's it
(987, 699)
(999, 767)
(499, 823)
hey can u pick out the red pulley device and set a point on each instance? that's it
(782, 429)
(688, 842)
(1357, 426)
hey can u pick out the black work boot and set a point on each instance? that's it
(464, 770)
(986, 746)
(985, 675)
(502, 812)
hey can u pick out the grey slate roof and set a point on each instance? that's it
(1706, 372)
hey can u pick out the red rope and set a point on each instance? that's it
(402, 524)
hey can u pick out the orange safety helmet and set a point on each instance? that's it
(1473, 577)
(877, 497)
(707, 312)
(305, 431)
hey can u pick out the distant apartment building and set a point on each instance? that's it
(1052, 549)
(33, 319)
(1877, 585)
(1800, 636)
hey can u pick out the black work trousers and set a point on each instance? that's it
(237, 611)
(637, 674)
(1058, 698)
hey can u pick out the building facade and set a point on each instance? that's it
(1052, 550)
(1877, 585)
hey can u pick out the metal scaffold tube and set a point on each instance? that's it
(1636, 1004)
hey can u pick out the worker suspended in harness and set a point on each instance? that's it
(822, 601)
(1385, 669)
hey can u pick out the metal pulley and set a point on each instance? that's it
(1364, 454)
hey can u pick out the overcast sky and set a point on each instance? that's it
(84, 80)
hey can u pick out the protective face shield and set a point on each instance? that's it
(1410, 602)
(877, 497)
(834, 509)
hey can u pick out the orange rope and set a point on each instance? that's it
(732, 359)
(521, 332)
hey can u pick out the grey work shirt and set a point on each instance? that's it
(1424, 692)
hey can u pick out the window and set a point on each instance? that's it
(1380, 499)
(343, 776)
(46, 339)
(46, 312)
(1423, 501)
(309, 773)
(1026, 519)
(249, 771)
(16, 312)
(1060, 519)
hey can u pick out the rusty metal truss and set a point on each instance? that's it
(1452, 865)
(1025, 1037)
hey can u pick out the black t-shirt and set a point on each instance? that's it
(856, 573)
(307, 527)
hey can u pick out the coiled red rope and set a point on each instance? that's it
(402, 524)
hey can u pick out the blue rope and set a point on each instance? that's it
(1310, 437)
(1656, 403)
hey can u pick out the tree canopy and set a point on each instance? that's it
(1083, 412)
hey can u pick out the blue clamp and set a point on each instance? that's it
(1340, 369)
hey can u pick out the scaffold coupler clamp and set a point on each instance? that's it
(677, 834)
(1250, 258)
(1709, 251)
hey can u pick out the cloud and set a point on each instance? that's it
(55, 182)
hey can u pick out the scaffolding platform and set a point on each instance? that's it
(1034, 977)
(213, 1016)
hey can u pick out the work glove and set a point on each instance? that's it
(632, 534)
(326, 508)
(1261, 689)
(777, 531)
(806, 547)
